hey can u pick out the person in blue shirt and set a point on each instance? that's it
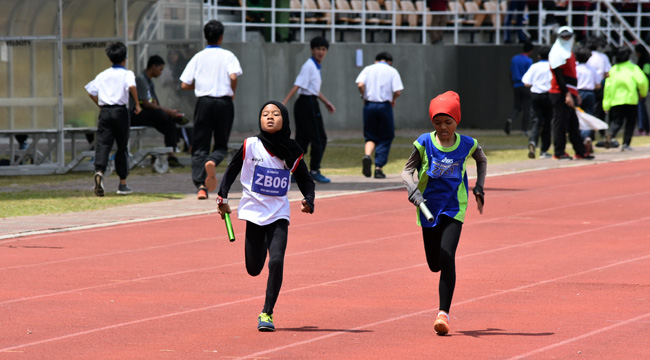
(518, 67)
(440, 159)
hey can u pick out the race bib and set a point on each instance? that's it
(439, 169)
(273, 182)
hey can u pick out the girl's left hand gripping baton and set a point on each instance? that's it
(231, 232)
(425, 210)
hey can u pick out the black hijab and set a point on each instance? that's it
(280, 143)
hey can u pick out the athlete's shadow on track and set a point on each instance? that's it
(493, 331)
(317, 329)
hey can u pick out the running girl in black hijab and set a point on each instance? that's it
(266, 162)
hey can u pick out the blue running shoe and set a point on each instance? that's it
(318, 177)
(265, 322)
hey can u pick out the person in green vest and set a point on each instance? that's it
(623, 88)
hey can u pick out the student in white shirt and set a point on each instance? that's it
(266, 162)
(380, 85)
(588, 83)
(538, 79)
(309, 121)
(212, 74)
(601, 63)
(110, 91)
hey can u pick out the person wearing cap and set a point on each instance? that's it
(564, 97)
(440, 159)
(380, 85)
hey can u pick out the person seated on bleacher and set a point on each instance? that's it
(162, 119)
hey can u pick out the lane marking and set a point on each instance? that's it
(583, 336)
(468, 301)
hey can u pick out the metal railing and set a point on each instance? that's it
(621, 22)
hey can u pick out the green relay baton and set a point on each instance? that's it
(231, 232)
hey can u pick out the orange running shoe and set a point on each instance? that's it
(441, 325)
(202, 194)
(211, 178)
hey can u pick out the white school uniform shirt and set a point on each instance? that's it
(266, 180)
(600, 62)
(209, 70)
(381, 81)
(111, 86)
(539, 76)
(587, 77)
(309, 79)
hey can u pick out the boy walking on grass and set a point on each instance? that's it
(110, 91)
(309, 121)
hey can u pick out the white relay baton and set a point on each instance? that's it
(425, 210)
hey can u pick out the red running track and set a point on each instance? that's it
(557, 267)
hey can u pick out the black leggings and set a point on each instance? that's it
(259, 239)
(440, 243)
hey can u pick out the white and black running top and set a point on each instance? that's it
(265, 179)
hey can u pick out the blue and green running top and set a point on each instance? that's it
(442, 177)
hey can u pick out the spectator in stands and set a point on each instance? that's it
(110, 91)
(564, 97)
(380, 85)
(588, 82)
(538, 78)
(437, 20)
(309, 121)
(533, 16)
(580, 19)
(643, 61)
(623, 88)
(515, 18)
(518, 67)
(153, 114)
(212, 74)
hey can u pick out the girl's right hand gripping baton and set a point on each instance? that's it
(231, 232)
(425, 210)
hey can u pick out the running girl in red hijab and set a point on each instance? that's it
(440, 159)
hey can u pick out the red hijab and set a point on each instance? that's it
(447, 103)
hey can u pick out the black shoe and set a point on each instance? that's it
(173, 162)
(124, 189)
(565, 156)
(99, 184)
(531, 151)
(379, 174)
(506, 128)
(181, 120)
(366, 163)
(584, 157)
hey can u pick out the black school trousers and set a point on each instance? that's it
(259, 240)
(565, 120)
(310, 129)
(113, 126)
(542, 111)
(159, 120)
(213, 119)
(623, 114)
(440, 244)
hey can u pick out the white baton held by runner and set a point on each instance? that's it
(426, 212)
